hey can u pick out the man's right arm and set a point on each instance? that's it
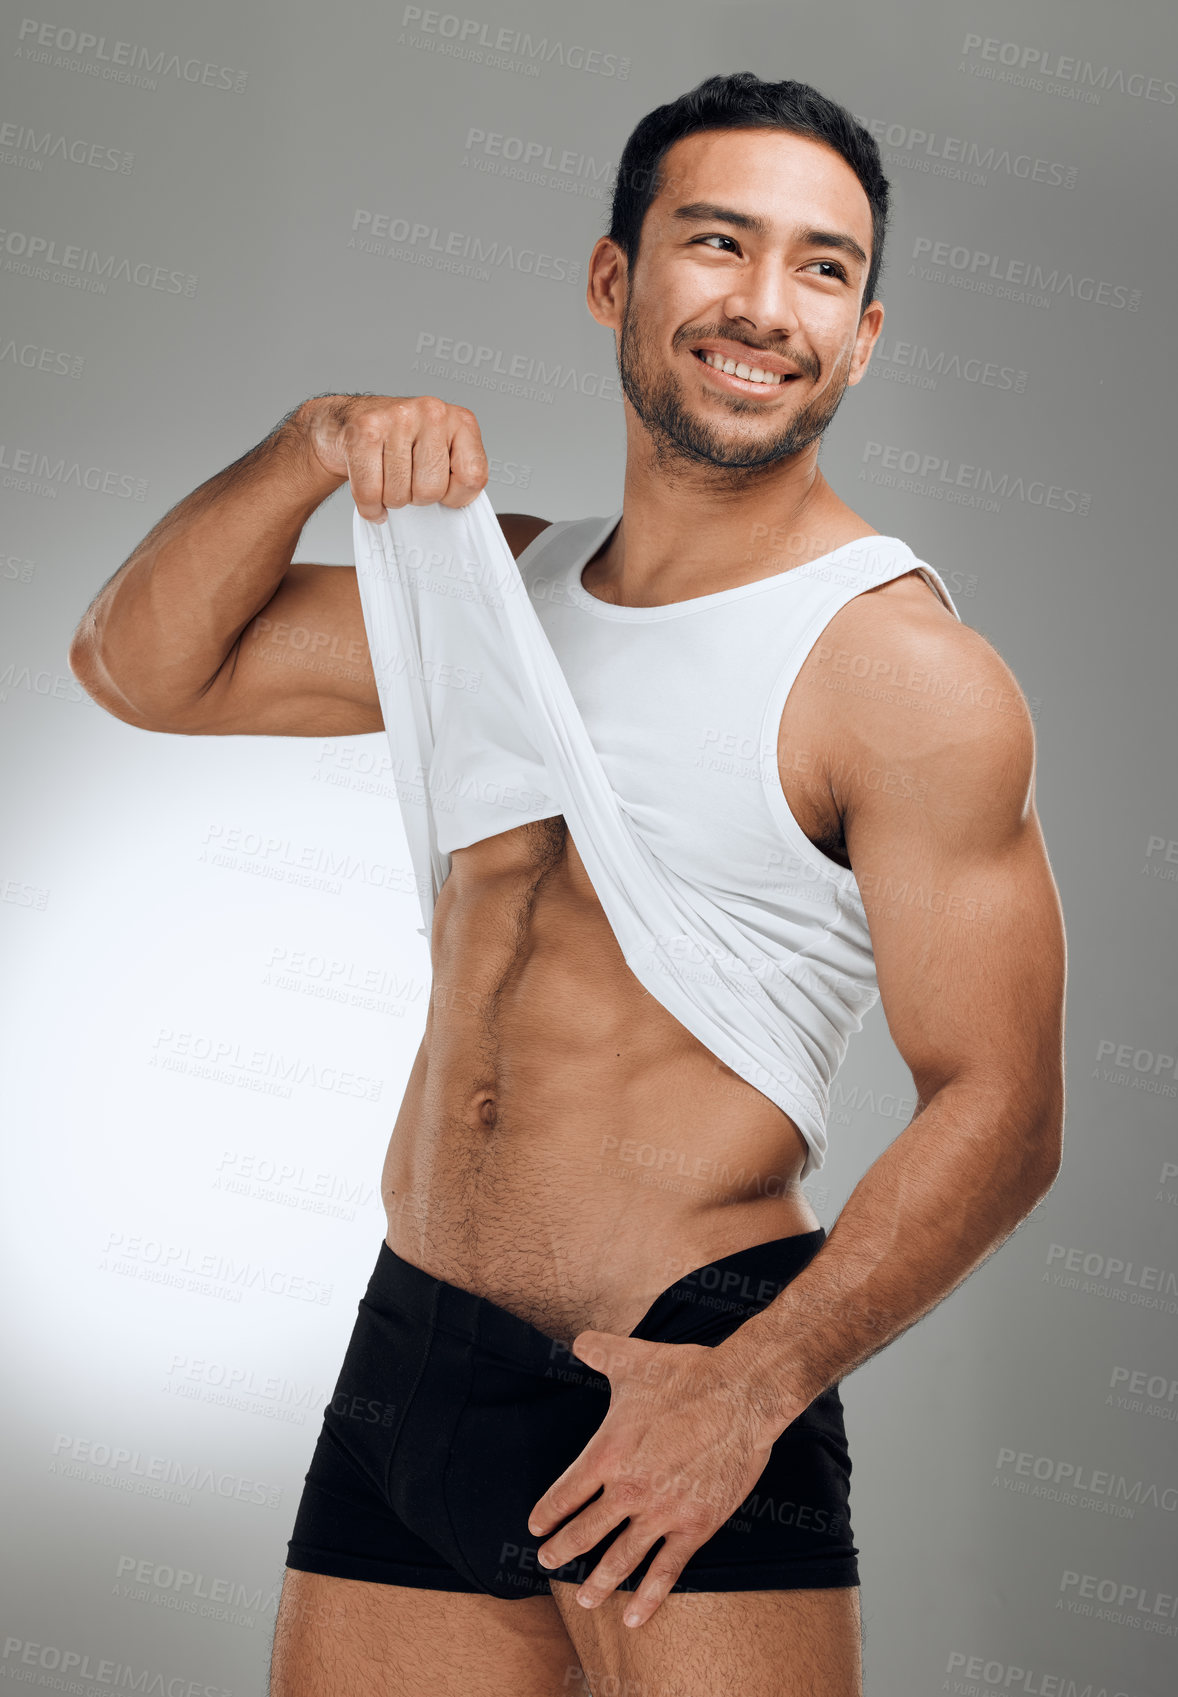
(208, 628)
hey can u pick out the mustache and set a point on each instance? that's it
(801, 357)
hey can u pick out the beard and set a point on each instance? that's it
(680, 435)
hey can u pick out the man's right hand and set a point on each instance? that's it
(211, 628)
(397, 450)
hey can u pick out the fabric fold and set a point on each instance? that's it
(770, 970)
(656, 916)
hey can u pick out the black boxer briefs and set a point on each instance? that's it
(453, 1416)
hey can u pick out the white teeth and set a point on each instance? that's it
(752, 373)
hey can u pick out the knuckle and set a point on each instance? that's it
(393, 415)
(694, 1524)
(630, 1490)
(664, 1570)
(621, 1557)
(371, 428)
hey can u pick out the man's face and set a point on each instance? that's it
(782, 298)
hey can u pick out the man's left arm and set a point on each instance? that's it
(936, 793)
(969, 947)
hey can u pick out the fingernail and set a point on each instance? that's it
(631, 1619)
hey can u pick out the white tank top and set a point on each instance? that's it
(511, 694)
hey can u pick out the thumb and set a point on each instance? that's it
(598, 1350)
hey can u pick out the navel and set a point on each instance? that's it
(484, 1110)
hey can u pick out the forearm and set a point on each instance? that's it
(162, 625)
(937, 1202)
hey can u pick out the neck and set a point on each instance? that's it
(688, 529)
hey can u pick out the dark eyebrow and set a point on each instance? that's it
(831, 238)
(706, 212)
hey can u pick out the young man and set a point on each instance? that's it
(602, 1394)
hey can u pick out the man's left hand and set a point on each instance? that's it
(681, 1447)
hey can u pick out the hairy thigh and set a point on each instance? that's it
(715, 1643)
(350, 1638)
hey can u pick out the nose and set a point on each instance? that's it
(765, 298)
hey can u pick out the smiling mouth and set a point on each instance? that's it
(748, 373)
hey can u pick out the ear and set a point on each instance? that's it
(605, 291)
(866, 337)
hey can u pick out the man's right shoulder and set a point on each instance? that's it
(520, 529)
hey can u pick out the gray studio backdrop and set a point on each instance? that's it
(214, 985)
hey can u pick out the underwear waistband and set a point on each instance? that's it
(720, 1294)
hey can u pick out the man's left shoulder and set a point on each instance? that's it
(918, 681)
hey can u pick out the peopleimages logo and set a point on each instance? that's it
(32, 149)
(980, 271)
(527, 159)
(119, 61)
(188, 1591)
(1042, 67)
(29, 469)
(373, 231)
(1123, 1601)
(914, 364)
(1079, 1483)
(1153, 1071)
(1110, 1275)
(74, 1665)
(86, 268)
(1002, 1675)
(503, 47)
(526, 374)
(961, 160)
(72, 1454)
(1158, 1388)
(949, 477)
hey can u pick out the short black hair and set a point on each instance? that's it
(742, 101)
